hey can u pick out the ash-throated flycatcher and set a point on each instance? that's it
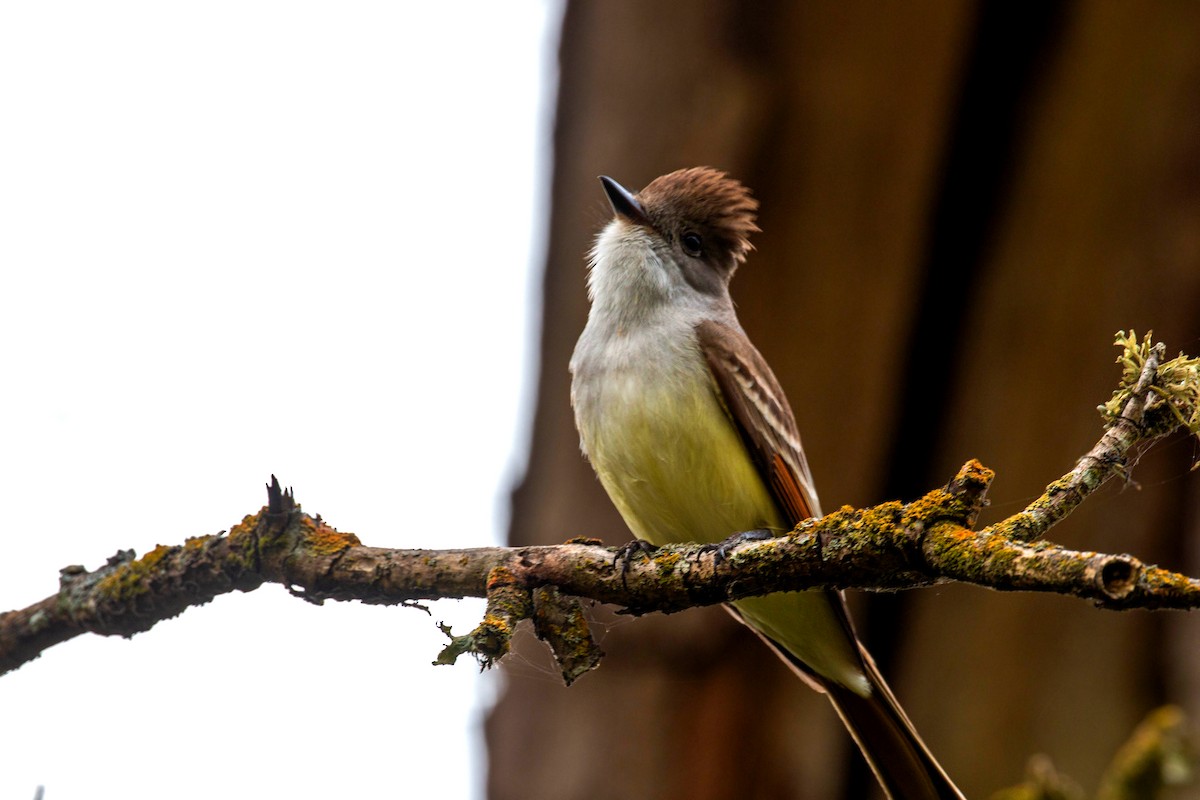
(692, 437)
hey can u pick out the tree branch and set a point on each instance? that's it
(886, 547)
(1157, 756)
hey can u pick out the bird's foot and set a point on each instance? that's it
(626, 553)
(721, 550)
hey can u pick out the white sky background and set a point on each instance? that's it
(239, 238)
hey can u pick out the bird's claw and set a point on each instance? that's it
(721, 550)
(626, 552)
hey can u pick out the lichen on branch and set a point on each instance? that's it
(1174, 385)
(886, 547)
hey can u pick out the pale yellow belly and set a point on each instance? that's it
(678, 471)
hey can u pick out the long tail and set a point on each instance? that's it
(889, 742)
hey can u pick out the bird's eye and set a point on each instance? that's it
(691, 243)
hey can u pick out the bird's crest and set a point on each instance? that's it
(706, 199)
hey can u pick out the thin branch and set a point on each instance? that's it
(886, 547)
(1094, 469)
(1158, 755)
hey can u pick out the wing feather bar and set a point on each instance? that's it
(756, 402)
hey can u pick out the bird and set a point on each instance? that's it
(693, 439)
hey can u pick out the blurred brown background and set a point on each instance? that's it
(961, 203)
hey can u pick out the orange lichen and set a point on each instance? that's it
(246, 527)
(500, 577)
(494, 624)
(324, 540)
(196, 542)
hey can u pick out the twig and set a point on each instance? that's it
(1157, 755)
(886, 547)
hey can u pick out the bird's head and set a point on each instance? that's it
(688, 229)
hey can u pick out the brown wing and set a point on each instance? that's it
(757, 404)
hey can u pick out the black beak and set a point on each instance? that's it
(623, 203)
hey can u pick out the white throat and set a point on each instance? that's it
(627, 277)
